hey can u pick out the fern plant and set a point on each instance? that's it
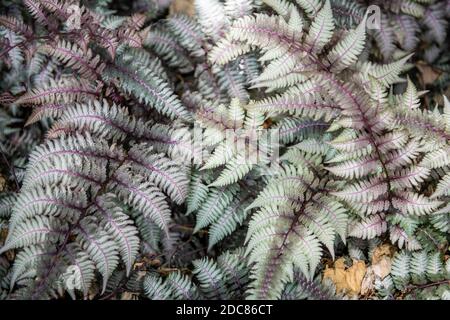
(230, 154)
(100, 165)
(420, 275)
(223, 279)
(315, 80)
(405, 26)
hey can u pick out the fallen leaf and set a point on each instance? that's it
(428, 73)
(182, 6)
(346, 279)
(379, 269)
(382, 260)
(382, 251)
(2, 183)
(128, 296)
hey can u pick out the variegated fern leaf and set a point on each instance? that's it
(75, 212)
(226, 153)
(318, 77)
(418, 276)
(297, 217)
(224, 278)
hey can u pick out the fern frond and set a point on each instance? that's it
(62, 91)
(87, 65)
(148, 88)
(347, 50)
(321, 29)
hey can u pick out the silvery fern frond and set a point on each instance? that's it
(217, 279)
(89, 223)
(229, 150)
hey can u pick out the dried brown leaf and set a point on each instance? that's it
(182, 6)
(126, 295)
(428, 73)
(346, 279)
(2, 183)
(380, 267)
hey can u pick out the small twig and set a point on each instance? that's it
(189, 229)
(427, 285)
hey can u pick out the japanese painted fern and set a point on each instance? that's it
(232, 154)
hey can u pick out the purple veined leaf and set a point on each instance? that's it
(369, 228)
(120, 227)
(414, 204)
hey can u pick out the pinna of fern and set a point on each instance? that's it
(355, 114)
(85, 205)
(215, 197)
(242, 152)
(316, 289)
(432, 126)
(216, 120)
(405, 26)
(104, 189)
(66, 219)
